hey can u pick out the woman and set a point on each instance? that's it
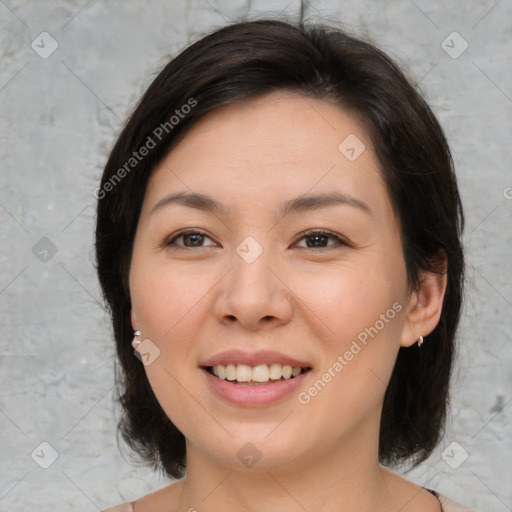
(278, 240)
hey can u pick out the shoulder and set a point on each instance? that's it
(156, 500)
(125, 507)
(451, 506)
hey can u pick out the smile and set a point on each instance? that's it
(254, 379)
(252, 393)
(256, 375)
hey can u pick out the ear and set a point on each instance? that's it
(425, 304)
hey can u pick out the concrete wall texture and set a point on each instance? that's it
(71, 70)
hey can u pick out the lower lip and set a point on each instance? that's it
(254, 396)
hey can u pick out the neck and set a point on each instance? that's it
(348, 477)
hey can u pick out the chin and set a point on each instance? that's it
(264, 447)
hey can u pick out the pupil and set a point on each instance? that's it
(317, 238)
(196, 238)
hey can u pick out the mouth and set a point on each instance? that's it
(258, 375)
(254, 379)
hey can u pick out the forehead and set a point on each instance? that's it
(263, 149)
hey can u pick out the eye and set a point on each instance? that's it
(190, 237)
(314, 238)
(319, 239)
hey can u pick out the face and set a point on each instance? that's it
(299, 264)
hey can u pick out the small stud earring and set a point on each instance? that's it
(136, 342)
(420, 341)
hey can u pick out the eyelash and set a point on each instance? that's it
(307, 234)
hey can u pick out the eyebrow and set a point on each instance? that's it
(302, 203)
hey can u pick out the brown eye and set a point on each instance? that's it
(320, 239)
(190, 238)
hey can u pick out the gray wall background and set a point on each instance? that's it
(59, 117)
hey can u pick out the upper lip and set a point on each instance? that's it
(253, 359)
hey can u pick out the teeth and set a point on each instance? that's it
(230, 372)
(221, 370)
(259, 373)
(243, 373)
(287, 371)
(276, 371)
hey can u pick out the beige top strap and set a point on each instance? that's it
(451, 506)
(125, 507)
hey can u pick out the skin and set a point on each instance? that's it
(307, 302)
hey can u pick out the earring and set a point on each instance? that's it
(136, 342)
(420, 341)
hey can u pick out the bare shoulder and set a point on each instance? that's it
(408, 496)
(165, 499)
(414, 497)
(451, 506)
(125, 507)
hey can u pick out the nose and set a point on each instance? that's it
(254, 293)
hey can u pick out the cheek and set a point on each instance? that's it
(165, 300)
(169, 306)
(351, 298)
(361, 314)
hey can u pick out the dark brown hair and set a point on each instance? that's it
(249, 59)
